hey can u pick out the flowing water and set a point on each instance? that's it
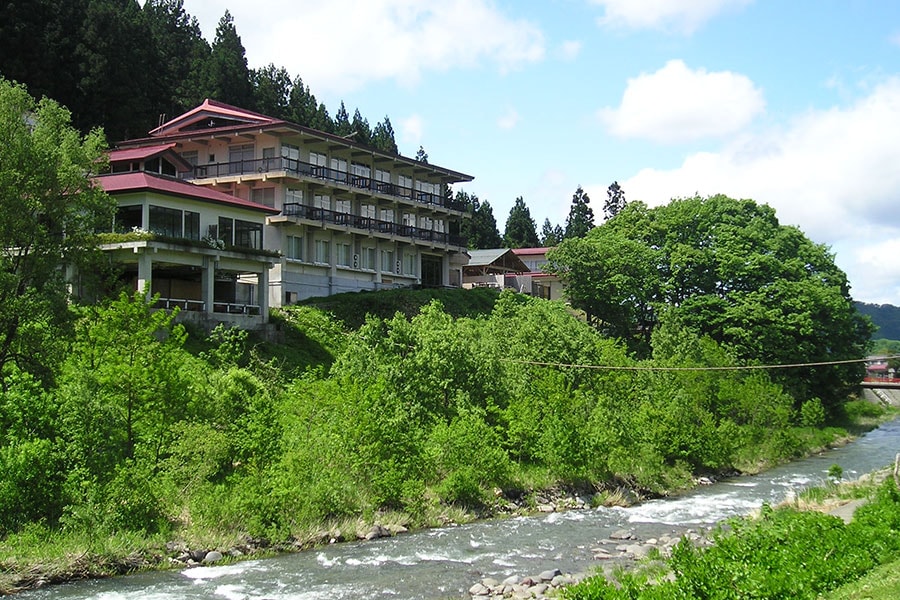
(444, 563)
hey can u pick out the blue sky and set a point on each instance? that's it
(795, 104)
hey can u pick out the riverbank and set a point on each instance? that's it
(37, 557)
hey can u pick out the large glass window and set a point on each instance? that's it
(247, 234)
(128, 218)
(367, 211)
(409, 262)
(316, 159)
(293, 196)
(226, 230)
(191, 225)
(165, 221)
(322, 201)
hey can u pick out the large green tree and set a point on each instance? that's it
(727, 269)
(520, 229)
(49, 209)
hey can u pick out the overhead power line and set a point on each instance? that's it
(729, 368)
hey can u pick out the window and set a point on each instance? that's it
(439, 225)
(247, 234)
(166, 221)
(322, 201)
(317, 160)
(269, 161)
(191, 225)
(387, 261)
(387, 214)
(190, 157)
(129, 217)
(405, 182)
(264, 196)
(226, 230)
(323, 254)
(343, 254)
(294, 248)
(367, 258)
(409, 219)
(342, 206)
(360, 170)
(409, 262)
(339, 164)
(293, 196)
(382, 176)
(238, 156)
(290, 152)
(425, 223)
(367, 211)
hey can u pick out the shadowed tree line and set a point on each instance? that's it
(125, 67)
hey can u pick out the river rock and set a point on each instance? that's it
(212, 557)
(549, 575)
(479, 590)
(622, 534)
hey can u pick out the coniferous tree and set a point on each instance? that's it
(229, 76)
(520, 227)
(551, 235)
(383, 136)
(481, 229)
(581, 217)
(615, 200)
(302, 105)
(421, 155)
(179, 58)
(342, 125)
(272, 89)
(360, 127)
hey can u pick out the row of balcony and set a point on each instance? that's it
(299, 169)
(312, 213)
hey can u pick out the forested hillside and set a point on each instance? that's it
(886, 318)
(124, 65)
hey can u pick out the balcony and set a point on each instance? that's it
(299, 169)
(323, 216)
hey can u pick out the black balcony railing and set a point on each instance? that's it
(311, 213)
(299, 168)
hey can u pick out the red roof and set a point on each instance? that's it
(529, 251)
(212, 108)
(140, 180)
(138, 153)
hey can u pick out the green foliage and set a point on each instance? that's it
(781, 554)
(520, 229)
(581, 216)
(727, 269)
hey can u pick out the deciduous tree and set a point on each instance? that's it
(49, 210)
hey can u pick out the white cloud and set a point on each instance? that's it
(339, 45)
(509, 119)
(682, 16)
(570, 49)
(677, 104)
(411, 129)
(831, 172)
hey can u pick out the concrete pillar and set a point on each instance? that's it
(145, 272)
(208, 283)
(262, 294)
(445, 270)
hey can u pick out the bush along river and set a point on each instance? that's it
(453, 562)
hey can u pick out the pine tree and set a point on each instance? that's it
(272, 91)
(342, 125)
(615, 200)
(229, 76)
(360, 127)
(551, 235)
(581, 217)
(383, 136)
(520, 227)
(422, 156)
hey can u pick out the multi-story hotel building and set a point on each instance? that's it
(334, 215)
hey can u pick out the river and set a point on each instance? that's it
(444, 563)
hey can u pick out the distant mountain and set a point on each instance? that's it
(885, 316)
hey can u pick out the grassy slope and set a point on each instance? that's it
(882, 583)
